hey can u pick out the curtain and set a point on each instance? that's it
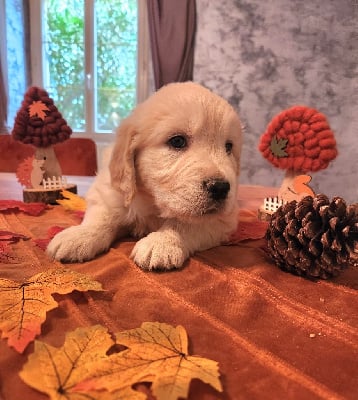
(3, 102)
(3, 86)
(172, 25)
(14, 58)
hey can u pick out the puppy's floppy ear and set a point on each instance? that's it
(121, 165)
(238, 145)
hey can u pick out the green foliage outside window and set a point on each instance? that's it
(115, 55)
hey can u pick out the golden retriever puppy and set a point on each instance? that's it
(170, 181)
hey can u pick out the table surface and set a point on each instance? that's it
(249, 196)
(273, 334)
(10, 188)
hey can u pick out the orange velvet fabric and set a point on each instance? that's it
(275, 335)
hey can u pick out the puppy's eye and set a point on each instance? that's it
(178, 142)
(228, 147)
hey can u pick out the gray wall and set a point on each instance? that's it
(265, 56)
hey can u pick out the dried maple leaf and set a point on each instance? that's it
(11, 237)
(55, 371)
(6, 239)
(4, 250)
(33, 209)
(38, 109)
(23, 306)
(51, 233)
(156, 353)
(248, 230)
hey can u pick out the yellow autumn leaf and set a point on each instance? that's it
(156, 353)
(55, 371)
(72, 201)
(23, 305)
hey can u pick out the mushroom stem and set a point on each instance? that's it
(51, 165)
(286, 191)
(295, 186)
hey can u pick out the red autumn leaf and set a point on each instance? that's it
(33, 209)
(54, 230)
(42, 243)
(51, 232)
(4, 250)
(11, 236)
(7, 238)
(248, 230)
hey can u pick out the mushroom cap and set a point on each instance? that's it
(38, 121)
(299, 139)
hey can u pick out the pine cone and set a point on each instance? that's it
(313, 237)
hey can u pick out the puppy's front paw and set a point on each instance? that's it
(77, 244)
(159, 250)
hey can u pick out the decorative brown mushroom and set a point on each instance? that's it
(298, 140)
(39, 123)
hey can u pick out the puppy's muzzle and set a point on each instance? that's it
(217, 189)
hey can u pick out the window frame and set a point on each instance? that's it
(38, 71)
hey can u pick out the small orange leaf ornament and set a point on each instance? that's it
(23, 306)
(38, 109)
(156, 353)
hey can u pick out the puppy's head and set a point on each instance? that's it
(182, 148)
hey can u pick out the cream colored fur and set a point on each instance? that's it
(156, 192)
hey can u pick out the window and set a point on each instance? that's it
(91, 55)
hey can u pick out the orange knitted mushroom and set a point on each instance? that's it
(298, 140)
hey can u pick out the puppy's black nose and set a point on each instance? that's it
(218, 189)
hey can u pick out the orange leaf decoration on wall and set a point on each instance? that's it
(23, 306)
(38, 109)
